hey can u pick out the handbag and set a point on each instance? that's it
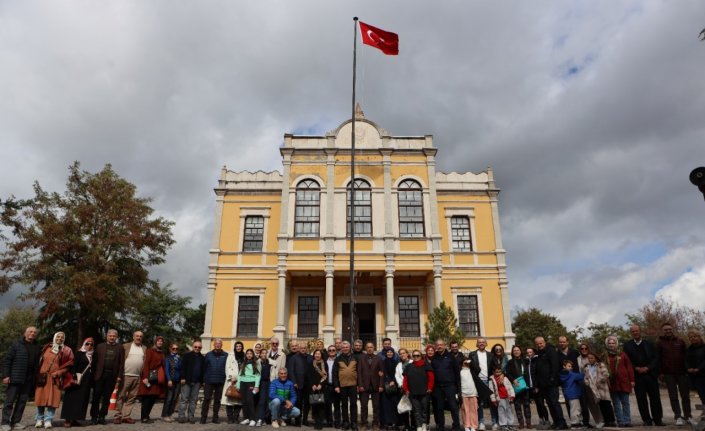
(42, 379)
(79, 376)
(390, 389)
(520, 385)
(316, 398)
(404, 405)
(232, 392)
(153, 377)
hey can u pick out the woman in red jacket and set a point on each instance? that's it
(621, 380)
(153, 383)
(418, 385)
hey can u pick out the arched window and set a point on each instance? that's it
(363, 208)
(307, 217)
(410, 209)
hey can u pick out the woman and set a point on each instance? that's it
(695, 363)
(258, 348)
(55, 362)
(316, 380)
(621, 380)
(239, 352)
(76, 396)
(535, 394)
(518, 366)
(263, 396)
(248, 385)
(390, 397)
(430, 352)
(404, 360)
(499, 360)
(153, 384)
(172, 370)
(418, 385)
(598, 392)
(232, 369)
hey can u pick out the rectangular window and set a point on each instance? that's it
(460, 231)
(363, 213)
(254, 233)
(307, 215)
(411, 214)
(308, 316)
(469, 315)
(247, 316)
(409, 324)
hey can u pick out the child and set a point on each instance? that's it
(502, 396)
(468, 390)
(572, 391)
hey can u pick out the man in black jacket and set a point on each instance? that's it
(445, 386)
(644, 359)
(20, 365)
(296, 365)
(548, 368)
(192, 368)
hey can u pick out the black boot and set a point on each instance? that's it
(230, 411)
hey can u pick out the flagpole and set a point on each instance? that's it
(352, 192)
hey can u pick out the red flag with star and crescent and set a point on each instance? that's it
(385, 41)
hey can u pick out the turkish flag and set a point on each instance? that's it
(385, 41)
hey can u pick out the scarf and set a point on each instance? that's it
(320, 367)
(84, 349)
(390, 365)
(56, 347)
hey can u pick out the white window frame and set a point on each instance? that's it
(471, 290)
(247, 291)
(468, 212)
(253, 211)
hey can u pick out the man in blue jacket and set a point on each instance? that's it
(282, 394)
(445, 386)
(20, 365)
(214, 380)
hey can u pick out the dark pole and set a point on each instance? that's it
(352, 193)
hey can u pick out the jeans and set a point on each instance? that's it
(263, 401)
(16, 398)
(45, 413)
(189, 396)
(275, 405)
(678, 384)
(170, 401)
(419, 408)
(620, 403)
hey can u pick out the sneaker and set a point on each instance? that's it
(680, 422)
(19, 426)
(600, 425)
(167, 419)
(6, 427)
(481, 427)
(495, 427)
(47, 424)
(693, 421)
(39, 424)
(245, 422)
(253, 423)
(282, 422)
(258, 423)
(275, 424)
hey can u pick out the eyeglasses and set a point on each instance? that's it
(174, 349)
(89, 344)
(583, 348)
(275, 344)
(331, 350)
(197, 347)
(415, 356)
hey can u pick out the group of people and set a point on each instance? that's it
(261, 386)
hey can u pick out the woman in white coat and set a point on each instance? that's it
(232, 406)
(404, 360)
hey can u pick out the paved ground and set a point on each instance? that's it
(160, 425)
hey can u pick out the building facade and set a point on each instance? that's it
(280, 261)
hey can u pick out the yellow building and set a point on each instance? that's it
(280, 264)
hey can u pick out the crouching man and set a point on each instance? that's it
(283, 398)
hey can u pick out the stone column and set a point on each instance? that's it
(280, 326)
(392, 330)
(329, 328)
(437, 287)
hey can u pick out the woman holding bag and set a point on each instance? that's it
(518, 373)
(316, 380)
(77, 394)
(153, 383)
(55, 361)
(232, 404)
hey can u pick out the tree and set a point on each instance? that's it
(598, 333)
(660, 310)
(531, 323)
(12, 325)
(84, 254)
(442, 324)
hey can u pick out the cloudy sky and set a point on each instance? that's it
(591, 113)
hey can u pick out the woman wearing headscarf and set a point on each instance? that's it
(390, 397)
(621, 380)
(153, 383)
(404, 360)
(232, 370)
(78, 392)
(55, 362)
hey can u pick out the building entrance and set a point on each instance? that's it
(365, 322)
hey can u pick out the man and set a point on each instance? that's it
(567, 353)
(277, 358)
(548, 368)
(358, 349)
(345, 381)
(108, 368)
(331, 397)
(671, 352)
(297, 366)
(303, 389)
(483, 366)
(457, 354)
(370, 385)
(214, 380)
(193, 365)
(386, 345)
(535, 393)
(134, 362)
(283, 397)
(644, 358)
(445, 386)
(338, 343)
(19, 367)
